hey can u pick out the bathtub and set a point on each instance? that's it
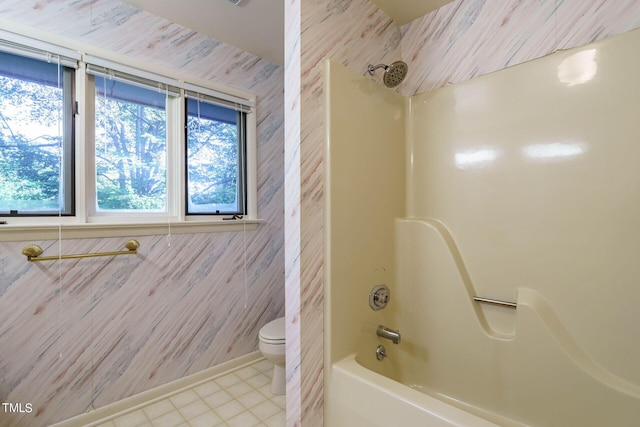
(359, 397)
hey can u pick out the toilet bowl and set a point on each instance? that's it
(272, 346)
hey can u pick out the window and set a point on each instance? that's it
(215, 172)
(130, 147)
(148, 149)
(36, 136)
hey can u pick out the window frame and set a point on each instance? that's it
(93, 213)
(241, 123)
(67, 74)
(88, 223)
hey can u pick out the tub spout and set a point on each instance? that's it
(389, 334)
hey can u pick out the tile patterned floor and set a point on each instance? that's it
(239, 398)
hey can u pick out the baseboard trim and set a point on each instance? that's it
(97, 416)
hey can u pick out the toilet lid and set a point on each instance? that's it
(273, 332)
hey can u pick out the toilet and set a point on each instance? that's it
(272, 347)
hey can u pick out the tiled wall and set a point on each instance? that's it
(469, 38)
(354, 33)
(97, 330)
(292, 123)
(464, 39)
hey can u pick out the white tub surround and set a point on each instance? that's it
(521, 187)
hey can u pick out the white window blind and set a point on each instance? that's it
(212, 97)
(35, 49)
(109, 69)
(142, 79)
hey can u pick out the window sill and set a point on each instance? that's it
(17, 233)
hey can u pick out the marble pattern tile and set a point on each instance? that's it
(355, 33)
(93, 331)
(469, 38)
(292, 210)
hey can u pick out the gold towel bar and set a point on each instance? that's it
(33, 252)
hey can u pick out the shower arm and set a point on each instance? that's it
(373, 68)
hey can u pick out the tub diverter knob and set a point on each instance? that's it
(381, 352)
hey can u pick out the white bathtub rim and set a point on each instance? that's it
(425, 403)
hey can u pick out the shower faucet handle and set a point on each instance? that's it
(379, 297)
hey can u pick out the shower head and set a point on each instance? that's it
(394, 74)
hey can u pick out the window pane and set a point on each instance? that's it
(215, 156)
(131, 147)
(35, 156)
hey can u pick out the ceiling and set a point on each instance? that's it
(257, 26)
(405, 11)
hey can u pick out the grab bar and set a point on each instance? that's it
(33, 252)
(507, 304)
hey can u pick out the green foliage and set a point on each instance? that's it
(130, 156)
(130, 153)
(213, 161)
(30, 145)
